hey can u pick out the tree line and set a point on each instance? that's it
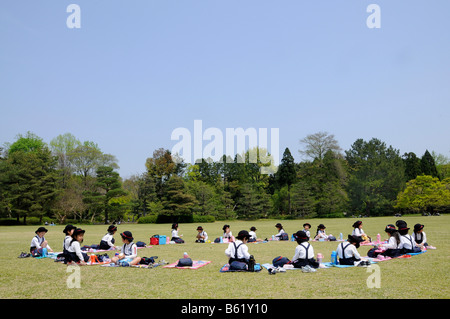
(68, 179)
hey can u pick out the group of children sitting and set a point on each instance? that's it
(399, 243)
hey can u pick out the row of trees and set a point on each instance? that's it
(70, 179)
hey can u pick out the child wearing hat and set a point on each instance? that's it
(348, 251)
(320, 233)
(175, 237)
(238, 250)
(359, 232)
(128, 252)
(108, 240)
(202, 236)
(68, 230)
(394, 246)
(409, 244)
(306, 228)
(420, 237)
(304, 253)
(74, 250)
(38, 243)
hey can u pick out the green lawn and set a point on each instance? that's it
(423, 276)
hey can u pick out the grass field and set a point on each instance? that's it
(423, 276)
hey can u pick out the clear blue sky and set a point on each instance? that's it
(136, 70)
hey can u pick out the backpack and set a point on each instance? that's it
(183, 262)
(284, 236)
(280, 261)
(148, 260)
(238, 265)
(140, 244)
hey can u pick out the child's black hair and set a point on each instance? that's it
(174, 225)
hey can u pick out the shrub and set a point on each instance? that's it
(149, 219)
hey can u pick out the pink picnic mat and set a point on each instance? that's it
(196, 264)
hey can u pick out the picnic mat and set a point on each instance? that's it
(226, 268)
(268, 266)
(329, 265)
(196, 264)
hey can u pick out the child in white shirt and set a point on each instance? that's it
(38, 243)
(175, 236)
(306, 228)
(304, 253)
(68, 230)
(74, 251)
(394, 246)
(237, 252)
(128, 252)
(108, 240)
(281, 231)
(359, 232)
(202, 236)
(347, 251)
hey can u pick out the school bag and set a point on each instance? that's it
(284, 236)
(280, 261)
(140, 244)
(183, 262)
(154, 240)
(238, 265)
(148, 260)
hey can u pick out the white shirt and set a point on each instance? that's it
(252, 235)
(76, 248)
(307, 233)
(321, 234)
(242, 251)
(300, 251)
(357, 232)
(281, 232)
(350, 251)
(418, 236)
(129, 250)
(203, 233)
(175, 233)
(392, 244)
(37, 242)
(227, 235)
(407, 240)
(67, 241)
(108, 239)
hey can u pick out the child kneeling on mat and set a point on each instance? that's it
(237, 252)
(304, 254)
(128, 252)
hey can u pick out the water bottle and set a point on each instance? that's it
(44, 252)
(334, 257)
(341, 237)
(221, 239)
(319, 258)
(378, 238)
(273, 237)
(185, 255)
